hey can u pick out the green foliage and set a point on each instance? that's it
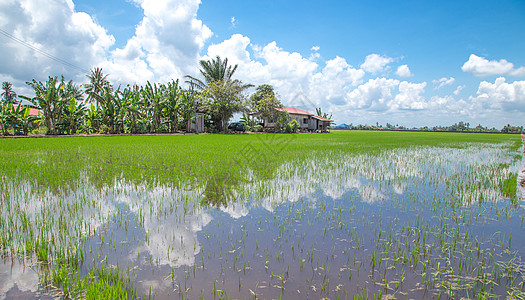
(215, 69)
(283, 117)
(248, 122)
(53, 99)
(222, 99)
(319, 112)
(456, 127)
(97, 86)
(171, 159)
(8, 95)
(107, 283)
(265, 102)
(508, 185)
(292, 126)
(512, 129)
(101, 282)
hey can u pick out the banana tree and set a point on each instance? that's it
(73, 115)
(153, 100)
(52, 98)
(250, 122)
(134, 105)
(47, 100)
(22, 119)
(172, 104)
(110, 109)
(93, 119)
(188, 106)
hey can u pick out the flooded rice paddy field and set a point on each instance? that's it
(392, 216)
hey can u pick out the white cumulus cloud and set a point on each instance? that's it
(375, 63)
(443, 82)
(480, 66)
(291, 74)
(374, 94)
(459, 89)
(334, 82)
(501, 95)
(403, 71)
(409, 96)
(165, 46)
(57, 31)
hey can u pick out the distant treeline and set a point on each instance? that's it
(458, 127)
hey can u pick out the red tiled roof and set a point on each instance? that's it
(322, 119)
(293, 110)
(32, 111)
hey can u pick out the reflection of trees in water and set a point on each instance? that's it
(219, 188)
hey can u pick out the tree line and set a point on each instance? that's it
(456, 127)
(100, 107)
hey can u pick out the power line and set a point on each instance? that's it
(24, 43)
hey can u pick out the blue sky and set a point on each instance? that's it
(411, 63)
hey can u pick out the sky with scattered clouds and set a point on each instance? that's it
(412, 63)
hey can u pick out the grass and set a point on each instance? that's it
(320, 214)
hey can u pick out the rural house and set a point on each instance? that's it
(307, 121)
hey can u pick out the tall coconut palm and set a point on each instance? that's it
(223, 93)
(5, 117)
(212, 70)
(98, 82)
(8, 95)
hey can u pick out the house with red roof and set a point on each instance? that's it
(32, 111)
(307, 121)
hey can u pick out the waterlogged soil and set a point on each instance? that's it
(419, 223)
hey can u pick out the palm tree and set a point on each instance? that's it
(8, 95)
(212, 70)
(5, 117)
(98, 82)
(223, 93)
